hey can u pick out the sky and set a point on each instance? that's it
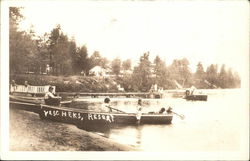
(210, 32)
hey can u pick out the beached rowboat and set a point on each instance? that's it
(88, 119)
(34, 100)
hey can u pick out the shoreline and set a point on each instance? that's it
(29, 133)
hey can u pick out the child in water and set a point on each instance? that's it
(139, 110)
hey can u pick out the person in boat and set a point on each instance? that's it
(50, 98)
(169, 110)
(164, 111)
(106, 106)
(187, 92)
(139, 110)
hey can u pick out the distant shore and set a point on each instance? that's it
(29, 133)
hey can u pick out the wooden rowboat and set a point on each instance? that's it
(190, 96)
(196, 97)
(93, 117)
(89, 119)
(33, 100)
(30, 103)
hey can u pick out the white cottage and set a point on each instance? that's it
(97, 71)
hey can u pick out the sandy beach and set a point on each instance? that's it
(29, 133)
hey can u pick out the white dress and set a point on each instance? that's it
(139, 112)
(49, 95)
(105, 107)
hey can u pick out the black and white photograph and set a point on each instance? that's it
(125, 80)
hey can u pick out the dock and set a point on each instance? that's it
(121, 94)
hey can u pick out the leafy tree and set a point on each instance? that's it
(142, 73)
(43, 52)
(222, 77)
(158, 65)
(97, 59)
(104, 62)
(233, 79)
(15, 17)
(161, 72)
(126, 65)
(200, 73)
(230, 78)
(185, 72)
(116, 66)
(180, 71)
(211, 75)
(81, 60)
(22, 47)
(61, 50)
(237, 81)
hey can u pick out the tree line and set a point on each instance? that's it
(31, 53)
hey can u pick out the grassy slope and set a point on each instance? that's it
(69, 83)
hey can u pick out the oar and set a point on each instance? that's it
(180, 115)
(116, 109)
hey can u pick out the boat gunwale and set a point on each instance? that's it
(89, 111)
(96, 112)
(26, 98)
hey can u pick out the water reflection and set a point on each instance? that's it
(208, 125)
(138, 135)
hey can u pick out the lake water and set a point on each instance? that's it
(218, 124)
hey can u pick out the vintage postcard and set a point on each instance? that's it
(125, 80)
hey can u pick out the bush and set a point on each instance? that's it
(68, 83)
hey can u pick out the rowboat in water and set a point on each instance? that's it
(196, 97)
(88, 119)
(190, 96)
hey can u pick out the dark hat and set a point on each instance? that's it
(106, 100)
(50, 87)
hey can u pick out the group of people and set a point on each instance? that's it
(107, 108)
(51, 98)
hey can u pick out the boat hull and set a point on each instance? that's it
(196, 97)
(86, 119)
(26, 106)
(30, 103)
(83, 118)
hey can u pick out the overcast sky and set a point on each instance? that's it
(210, 32)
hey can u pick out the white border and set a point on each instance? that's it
(6, 154)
